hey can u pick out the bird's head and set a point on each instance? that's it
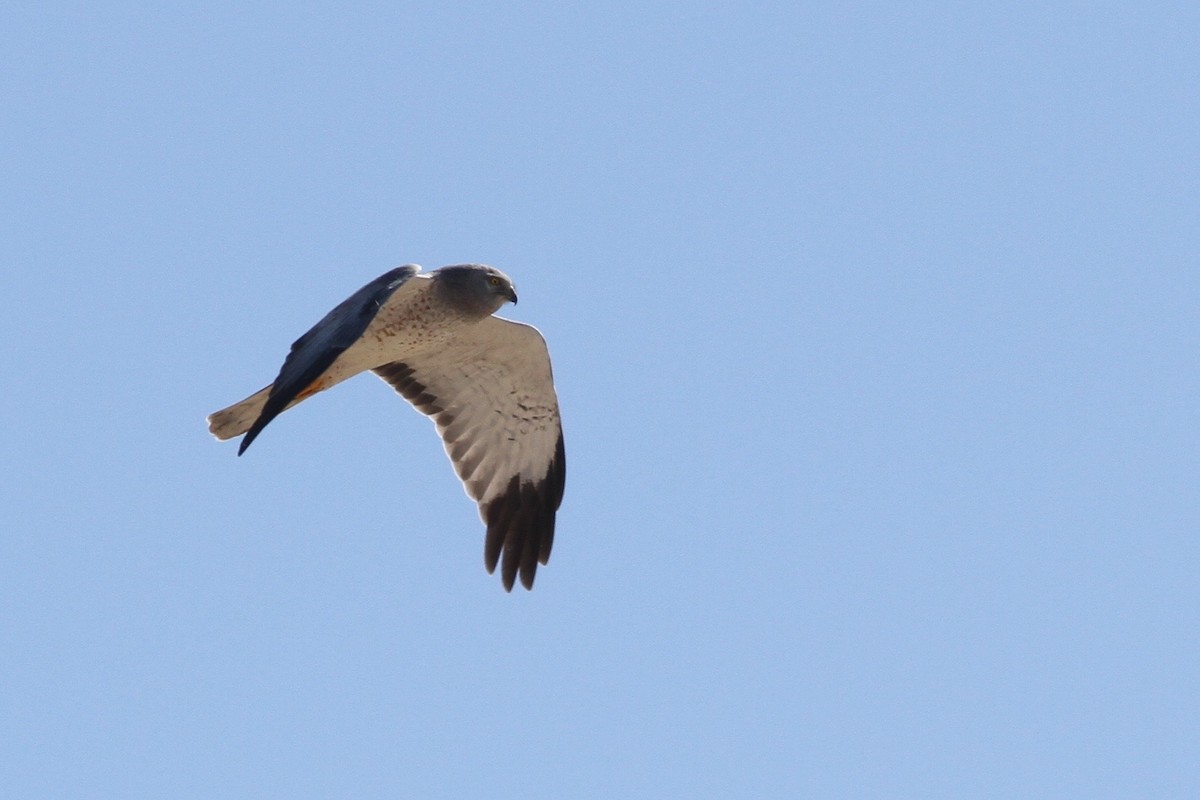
(475, 288)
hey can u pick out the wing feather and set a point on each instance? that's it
(490, 392)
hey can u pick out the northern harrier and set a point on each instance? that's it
(484, 380)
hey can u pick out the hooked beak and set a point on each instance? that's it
(512, 294)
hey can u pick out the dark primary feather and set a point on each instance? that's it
(520, 523)
(317, 349)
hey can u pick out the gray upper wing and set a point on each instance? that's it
(316, 350)
(490, 392)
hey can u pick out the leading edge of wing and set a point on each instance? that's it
(319, 347)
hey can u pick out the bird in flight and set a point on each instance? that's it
(484, 380)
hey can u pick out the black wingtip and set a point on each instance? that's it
(520, 524)
(254, 431)
(527, 580)
(506, 580)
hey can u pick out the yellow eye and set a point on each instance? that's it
(494, 281)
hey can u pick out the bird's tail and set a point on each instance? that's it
(237, 419)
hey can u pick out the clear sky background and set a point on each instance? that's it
(875, 332)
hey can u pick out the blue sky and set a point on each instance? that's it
(874, 329)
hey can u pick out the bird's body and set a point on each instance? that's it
(485, 381)
(404, 323)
